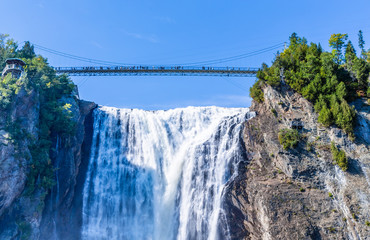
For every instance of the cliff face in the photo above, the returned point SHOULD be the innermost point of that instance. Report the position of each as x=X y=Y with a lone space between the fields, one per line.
x=24 y=216
x=63 y=210
x=15 y=156
x=13 y=170
x=300 y=193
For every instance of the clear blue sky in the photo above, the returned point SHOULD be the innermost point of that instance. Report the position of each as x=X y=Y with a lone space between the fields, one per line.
x=173 y=32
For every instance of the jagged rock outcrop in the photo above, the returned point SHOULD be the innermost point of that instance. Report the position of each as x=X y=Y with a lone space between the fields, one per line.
x=300 y=193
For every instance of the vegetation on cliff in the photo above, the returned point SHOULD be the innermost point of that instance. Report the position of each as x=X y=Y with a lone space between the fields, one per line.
x=288 y=138
x=339 y=157
x=328 y=79
x=55 y=116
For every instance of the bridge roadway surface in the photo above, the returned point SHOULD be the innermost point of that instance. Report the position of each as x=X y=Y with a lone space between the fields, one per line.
x=158 y=71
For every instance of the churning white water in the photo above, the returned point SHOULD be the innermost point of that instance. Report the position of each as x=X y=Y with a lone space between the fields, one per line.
x=160 y=174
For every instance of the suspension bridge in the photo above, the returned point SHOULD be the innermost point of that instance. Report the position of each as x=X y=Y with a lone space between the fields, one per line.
x=157 y=71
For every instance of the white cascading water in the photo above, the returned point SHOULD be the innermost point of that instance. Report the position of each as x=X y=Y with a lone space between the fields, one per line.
x=160 y=174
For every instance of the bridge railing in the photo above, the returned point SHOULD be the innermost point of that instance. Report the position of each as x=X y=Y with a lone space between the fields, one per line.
x=107 y=68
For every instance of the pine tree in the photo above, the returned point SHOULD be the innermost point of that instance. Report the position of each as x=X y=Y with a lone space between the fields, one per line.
x=337 y=42
x=341 y=90
x=361 y=44
x=325 y=117
x=27 y=51
x=350 y=55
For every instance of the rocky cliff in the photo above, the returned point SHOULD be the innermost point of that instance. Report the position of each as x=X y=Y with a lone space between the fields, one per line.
x=39 y=215
x=299 y=193
x=14 y=160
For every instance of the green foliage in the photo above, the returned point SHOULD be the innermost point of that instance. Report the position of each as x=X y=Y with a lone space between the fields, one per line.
x=325 y=116
x=309 y=146
x=367 y=223
x=8 y=49
x=337 y=42
x=288 y=138
x=330 y=195
x=339 y=157
x=256 y=92
x=8 y=88
x=350 y=54
x=55 y=116
x=271 y=75
x=321 y=77
x=361 y=44
x=27 y=51
x=344 y=116
x=273 y=111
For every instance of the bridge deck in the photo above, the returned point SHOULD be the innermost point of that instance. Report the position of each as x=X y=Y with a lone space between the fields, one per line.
x=157 y=71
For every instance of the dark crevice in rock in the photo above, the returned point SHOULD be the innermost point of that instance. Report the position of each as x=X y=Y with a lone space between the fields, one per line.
x=76 y=207
x=63 y=206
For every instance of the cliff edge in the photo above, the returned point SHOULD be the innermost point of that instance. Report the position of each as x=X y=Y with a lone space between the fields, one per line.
x=300 y=193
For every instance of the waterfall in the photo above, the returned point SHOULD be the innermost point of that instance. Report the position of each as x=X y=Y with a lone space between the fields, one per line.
x=160 y=174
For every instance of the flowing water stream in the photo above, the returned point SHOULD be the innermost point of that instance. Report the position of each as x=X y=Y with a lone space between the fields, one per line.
x=160 y=174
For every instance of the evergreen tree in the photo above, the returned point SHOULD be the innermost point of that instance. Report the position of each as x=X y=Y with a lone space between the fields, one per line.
x=337 y=41
x=27 y=51
x=361 y=71
x=341 y=90
x=350 y=55
x=8 y=48
x=361 y=44
x=320 y=103
x=325 y=117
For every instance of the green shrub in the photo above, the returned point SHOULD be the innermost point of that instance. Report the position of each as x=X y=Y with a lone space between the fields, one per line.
x=339 y=157
x=325 y=117
x=273 y=111
x=288 y=138
x=256 y=92
x=9 y=86
x=309 y=146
